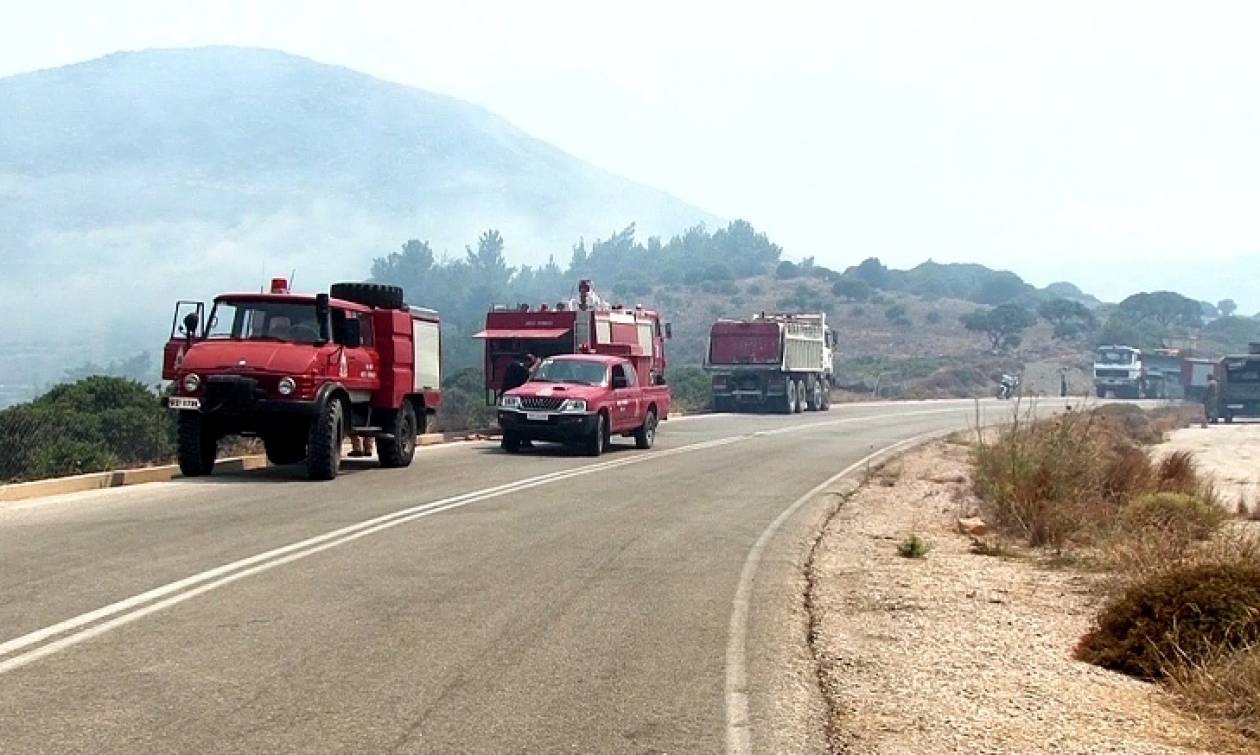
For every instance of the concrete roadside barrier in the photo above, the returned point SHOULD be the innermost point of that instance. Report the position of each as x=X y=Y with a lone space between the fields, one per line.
x=118 y=478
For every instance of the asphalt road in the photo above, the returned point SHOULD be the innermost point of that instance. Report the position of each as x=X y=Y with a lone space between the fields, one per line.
x=475 y=602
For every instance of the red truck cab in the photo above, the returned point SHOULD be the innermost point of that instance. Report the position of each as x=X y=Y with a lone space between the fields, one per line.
x=303 y=372
x=583 y=400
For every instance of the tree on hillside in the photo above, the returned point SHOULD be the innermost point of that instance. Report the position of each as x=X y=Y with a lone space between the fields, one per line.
x=871 y=271
x=1227 y=307
x=1004 y=325
x=1167 y=308
x=787 y=269
x=1069 y=317
x=1001 y=287
x=852 y=289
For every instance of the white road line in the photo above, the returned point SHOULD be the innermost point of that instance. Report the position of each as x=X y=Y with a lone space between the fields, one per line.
x=173 y=593
x=738 y=727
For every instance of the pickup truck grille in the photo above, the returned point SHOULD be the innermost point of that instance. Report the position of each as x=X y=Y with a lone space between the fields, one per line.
x=544 y=403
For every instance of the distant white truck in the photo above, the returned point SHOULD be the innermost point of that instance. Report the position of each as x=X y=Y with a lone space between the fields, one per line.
x=1119 y=371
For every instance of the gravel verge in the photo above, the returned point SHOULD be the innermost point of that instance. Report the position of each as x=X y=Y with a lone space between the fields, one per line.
x=960 y=652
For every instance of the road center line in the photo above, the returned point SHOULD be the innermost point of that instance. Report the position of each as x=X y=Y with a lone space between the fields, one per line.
x=173 y=593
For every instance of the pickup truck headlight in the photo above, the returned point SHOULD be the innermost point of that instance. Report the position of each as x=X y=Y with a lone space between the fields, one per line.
x=191 y=382
x=510 y=402
x=573 y=405
x=287 y=386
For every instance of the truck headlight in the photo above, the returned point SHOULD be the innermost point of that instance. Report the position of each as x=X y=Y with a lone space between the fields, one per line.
x=192 y=381
x=510 y=402
x=573 y=405
x=287 y=386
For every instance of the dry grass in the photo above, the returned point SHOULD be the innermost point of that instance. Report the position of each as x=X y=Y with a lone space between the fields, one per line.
x=1183 y=594
x=1225 y=689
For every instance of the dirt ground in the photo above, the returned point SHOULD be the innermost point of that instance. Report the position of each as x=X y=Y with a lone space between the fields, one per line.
x=960 y=652
x=1230 y=453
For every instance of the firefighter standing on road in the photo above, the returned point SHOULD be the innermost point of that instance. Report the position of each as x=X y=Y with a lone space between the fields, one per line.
x=517 y=374
x=1210 y=397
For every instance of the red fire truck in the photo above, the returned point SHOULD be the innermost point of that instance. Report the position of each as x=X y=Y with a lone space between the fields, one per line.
x=302 y=372
x=585 y=322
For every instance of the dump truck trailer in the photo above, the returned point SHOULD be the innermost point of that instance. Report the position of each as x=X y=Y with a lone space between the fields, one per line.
x=772 y=362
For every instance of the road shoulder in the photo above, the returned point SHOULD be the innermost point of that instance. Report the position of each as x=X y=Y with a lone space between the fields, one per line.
x=962 y=652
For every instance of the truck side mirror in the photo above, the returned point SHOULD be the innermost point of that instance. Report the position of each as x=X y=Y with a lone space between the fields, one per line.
x=323 y=317
x=191 y=323
x=669 y=330
x=351 y=333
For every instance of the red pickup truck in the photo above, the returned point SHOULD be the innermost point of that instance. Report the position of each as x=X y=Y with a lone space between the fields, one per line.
x=583 y=400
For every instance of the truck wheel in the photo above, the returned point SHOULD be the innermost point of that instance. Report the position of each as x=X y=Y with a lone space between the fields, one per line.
x=287 y=448
x=799 y=406
x=323 y=454
x=785 y=405
x=196 y=446
x=511 y=442
x=399 y=450
x=376 y=295
x=1102 y=392
x=597 y=441
x=645 y=436
x=826 y=396
x=1229 y=418
x=814 y=398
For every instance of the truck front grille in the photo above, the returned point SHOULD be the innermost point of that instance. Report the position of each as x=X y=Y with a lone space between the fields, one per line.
x=1112 y=373
x=542 y=403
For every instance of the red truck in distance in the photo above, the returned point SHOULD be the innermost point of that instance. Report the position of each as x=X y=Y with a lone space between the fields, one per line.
x=303 y=372
x=583 y=322
x=779 y=362
x=583 y=400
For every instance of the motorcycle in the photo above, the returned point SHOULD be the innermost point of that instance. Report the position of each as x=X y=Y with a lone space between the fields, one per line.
x=1008 y=387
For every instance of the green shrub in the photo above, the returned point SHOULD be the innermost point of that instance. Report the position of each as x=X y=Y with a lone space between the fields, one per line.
x=913 y=547
x=1175 y=513
x=1186 y=614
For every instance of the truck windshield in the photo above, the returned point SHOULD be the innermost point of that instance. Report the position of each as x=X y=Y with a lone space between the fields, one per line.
x=1115 y=356
x=263 y=321
x=1246 y=372
x=571 y=371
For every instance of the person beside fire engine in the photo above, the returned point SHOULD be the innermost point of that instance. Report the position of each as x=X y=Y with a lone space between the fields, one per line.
x=519 y=372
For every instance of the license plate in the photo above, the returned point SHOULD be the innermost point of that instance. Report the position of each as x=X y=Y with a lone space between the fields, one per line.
x=537 y=416
x=177 y=402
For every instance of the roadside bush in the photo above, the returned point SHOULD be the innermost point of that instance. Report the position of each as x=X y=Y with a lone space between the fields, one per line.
x=1178 y=514
x=90 y=425
x=1044 y=481
x=691 y=388
x=1187 y=614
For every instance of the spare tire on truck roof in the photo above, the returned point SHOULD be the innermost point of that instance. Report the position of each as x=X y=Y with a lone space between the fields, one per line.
x=379 y=295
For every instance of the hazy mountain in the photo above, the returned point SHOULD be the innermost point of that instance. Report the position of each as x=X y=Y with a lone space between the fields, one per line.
x=135 y=179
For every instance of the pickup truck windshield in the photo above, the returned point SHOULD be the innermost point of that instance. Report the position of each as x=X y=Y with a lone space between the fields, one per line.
x=571 y=371
x=1114 y=356
x=263 y=321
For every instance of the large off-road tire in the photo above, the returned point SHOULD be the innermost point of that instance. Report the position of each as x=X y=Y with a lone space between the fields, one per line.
x=826 y=396
x=511 y=442
x=323 y=444
x=196 y=445
x=799 y=405
x=645 y=436
x=595 y=443
x=285 y=448
x=377 y=295
x=399 y=450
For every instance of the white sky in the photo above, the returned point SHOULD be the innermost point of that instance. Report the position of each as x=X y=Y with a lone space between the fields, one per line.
x=1115 y=144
